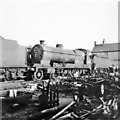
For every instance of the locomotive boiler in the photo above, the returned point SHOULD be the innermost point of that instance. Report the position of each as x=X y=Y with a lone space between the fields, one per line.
x=48 y=59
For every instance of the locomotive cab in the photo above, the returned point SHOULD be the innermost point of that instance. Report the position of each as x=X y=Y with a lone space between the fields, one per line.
x=84 y=55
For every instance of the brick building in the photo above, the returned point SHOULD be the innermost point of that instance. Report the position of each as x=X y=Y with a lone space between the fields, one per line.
x=107 y=54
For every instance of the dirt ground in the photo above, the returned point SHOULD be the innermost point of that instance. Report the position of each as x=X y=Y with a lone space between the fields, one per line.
x=22 y=111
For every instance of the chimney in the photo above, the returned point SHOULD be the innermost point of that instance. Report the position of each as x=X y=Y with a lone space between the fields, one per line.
x=103 y=41
x=95 y=43
x=42 y=42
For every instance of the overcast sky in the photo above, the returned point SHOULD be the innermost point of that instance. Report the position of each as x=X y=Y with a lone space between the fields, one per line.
x=73 y=23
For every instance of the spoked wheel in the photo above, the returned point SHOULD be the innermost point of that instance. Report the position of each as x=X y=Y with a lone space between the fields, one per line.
x=38 y=75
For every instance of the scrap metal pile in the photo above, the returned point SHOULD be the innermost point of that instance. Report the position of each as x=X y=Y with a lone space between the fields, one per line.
x=94 y=97
x=87 y=97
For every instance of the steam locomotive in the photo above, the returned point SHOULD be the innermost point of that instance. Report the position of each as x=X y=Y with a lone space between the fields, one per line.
x=46 y=60
x=41 y=60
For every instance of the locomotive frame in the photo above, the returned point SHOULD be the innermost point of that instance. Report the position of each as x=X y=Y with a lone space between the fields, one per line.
x=48 y=60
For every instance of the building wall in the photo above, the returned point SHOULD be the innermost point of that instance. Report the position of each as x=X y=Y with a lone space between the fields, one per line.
x=113 y=55
x=107 y=59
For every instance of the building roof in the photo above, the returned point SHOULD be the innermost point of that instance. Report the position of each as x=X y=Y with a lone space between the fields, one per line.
x=110 y=47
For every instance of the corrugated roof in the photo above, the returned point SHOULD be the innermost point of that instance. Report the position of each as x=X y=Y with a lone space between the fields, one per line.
x=106 y=47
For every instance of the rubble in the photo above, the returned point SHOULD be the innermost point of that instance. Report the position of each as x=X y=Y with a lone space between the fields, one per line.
x=92 y=97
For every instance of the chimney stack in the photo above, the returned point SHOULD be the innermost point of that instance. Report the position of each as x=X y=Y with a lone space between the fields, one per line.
x=103 y=41
x=42 y=42
x=95 y=43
